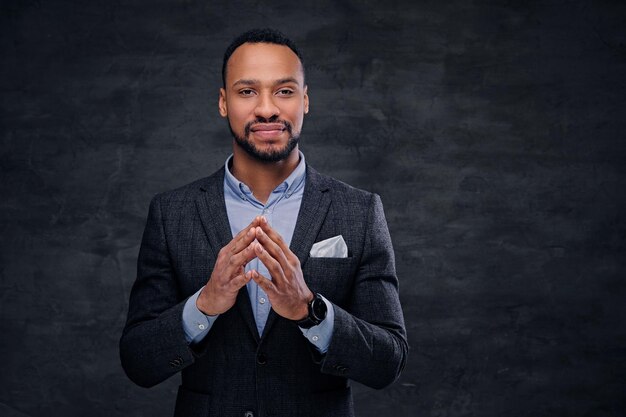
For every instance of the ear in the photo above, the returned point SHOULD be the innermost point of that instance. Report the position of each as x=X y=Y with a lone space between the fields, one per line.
x=306 y=99
x=222 y=103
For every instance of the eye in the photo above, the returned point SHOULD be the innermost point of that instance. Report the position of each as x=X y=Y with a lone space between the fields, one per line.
x=246 y=92
x=284 y=92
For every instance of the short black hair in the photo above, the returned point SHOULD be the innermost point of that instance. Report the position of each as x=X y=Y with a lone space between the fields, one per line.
x=265 y=35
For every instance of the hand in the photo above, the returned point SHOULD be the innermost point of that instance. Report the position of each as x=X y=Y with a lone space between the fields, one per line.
x=220 y=292
x=287 y=290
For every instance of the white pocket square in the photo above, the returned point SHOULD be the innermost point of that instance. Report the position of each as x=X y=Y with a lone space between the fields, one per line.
x=334 y=247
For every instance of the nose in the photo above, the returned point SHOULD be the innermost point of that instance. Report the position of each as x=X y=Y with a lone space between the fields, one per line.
x=266 y=107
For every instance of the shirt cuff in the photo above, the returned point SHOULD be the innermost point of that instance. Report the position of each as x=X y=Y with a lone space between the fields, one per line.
x=321 y=334
x=196 y=324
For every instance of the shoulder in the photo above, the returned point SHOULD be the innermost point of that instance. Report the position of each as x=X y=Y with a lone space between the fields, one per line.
x=188 y=193
x=341 y=191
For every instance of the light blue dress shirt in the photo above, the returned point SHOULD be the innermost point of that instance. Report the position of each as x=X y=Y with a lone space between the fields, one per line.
x=281 y=212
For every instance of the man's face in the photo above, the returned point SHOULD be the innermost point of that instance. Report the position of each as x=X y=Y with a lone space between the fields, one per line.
x=264 y=99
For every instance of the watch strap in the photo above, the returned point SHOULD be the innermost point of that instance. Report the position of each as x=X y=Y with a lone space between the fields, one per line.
x=312 y=319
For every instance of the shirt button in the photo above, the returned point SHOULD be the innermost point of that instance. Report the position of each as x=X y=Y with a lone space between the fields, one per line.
x=248 y=414
x=262 y=300
x=315 y=338
x=202 y=327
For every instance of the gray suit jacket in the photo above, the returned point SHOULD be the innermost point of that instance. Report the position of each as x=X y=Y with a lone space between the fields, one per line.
x=235 y=371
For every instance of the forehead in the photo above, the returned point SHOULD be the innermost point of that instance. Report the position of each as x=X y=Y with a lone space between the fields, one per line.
x=265 y=62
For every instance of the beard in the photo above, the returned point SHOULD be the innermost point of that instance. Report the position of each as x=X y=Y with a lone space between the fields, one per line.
x=273 y=155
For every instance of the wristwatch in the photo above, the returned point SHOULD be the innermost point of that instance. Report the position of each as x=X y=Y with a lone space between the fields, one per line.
x=317 y=313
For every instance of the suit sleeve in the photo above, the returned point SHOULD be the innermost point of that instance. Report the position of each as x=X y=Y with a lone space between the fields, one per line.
x=369 y=343
x=153 y=345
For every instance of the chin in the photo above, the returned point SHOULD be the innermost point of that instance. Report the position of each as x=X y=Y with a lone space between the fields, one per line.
x=267 y=152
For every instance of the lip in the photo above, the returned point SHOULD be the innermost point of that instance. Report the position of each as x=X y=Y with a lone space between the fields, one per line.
x=268 y=127
x=268 y=131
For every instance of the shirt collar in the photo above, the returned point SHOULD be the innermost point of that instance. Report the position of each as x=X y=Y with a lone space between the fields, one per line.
x=291 y=184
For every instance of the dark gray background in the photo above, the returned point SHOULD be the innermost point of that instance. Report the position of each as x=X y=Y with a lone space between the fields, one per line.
x=493 y=130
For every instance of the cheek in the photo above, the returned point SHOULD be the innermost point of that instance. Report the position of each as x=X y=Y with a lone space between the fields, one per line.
x=237 y=115
x=298 y=121
x=296 y=113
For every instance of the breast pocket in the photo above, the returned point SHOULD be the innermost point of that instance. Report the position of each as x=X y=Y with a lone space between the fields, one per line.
x=331 y=277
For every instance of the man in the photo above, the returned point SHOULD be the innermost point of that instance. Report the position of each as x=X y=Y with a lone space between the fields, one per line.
x=267 y=285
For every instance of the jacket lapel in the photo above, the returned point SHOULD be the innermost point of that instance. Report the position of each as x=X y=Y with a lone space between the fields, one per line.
x=313 y=209
x=212 y=211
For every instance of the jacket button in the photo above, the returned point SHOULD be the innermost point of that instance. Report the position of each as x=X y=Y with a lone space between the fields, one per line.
x=248 y=414
x=261 y=359
x=176 y=362
x=340 y=368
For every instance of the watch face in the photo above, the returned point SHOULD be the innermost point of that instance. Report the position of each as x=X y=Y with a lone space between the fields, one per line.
x=319 y=308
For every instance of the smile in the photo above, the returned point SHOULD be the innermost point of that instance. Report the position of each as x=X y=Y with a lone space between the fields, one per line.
x=268 y=127
x=268 y=130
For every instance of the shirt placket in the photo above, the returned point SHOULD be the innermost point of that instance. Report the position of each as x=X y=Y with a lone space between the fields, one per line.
x=262 y=305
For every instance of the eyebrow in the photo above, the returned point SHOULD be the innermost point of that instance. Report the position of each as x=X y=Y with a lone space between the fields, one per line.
x=287 y=80
x=277 y=82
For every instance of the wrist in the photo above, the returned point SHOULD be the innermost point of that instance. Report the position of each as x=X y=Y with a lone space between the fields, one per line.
x=204 y=305
x=303 y=312
x=316 y=312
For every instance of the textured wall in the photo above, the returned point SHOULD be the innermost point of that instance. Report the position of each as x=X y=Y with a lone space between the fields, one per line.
x=494 y=133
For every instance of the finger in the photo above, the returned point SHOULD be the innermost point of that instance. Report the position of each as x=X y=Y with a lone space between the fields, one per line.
x=272 y=265
x=255 y=222
x=274 y=236
x=272 y=247
x=240 y=280
x=239 y=260
x=242 y=239
x=226 y=275
x=265 y=284
x=245 y=255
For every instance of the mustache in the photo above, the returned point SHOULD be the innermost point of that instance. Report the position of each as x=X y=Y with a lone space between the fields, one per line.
x=261 y=120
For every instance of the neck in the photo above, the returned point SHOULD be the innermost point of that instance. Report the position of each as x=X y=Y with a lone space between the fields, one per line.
x=262 y=177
